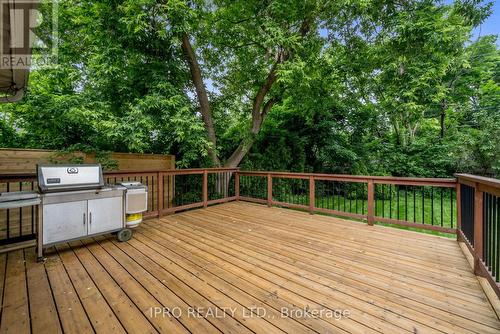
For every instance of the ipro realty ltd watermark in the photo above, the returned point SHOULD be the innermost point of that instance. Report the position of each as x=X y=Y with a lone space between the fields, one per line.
x=28 y=33
x=250 y=312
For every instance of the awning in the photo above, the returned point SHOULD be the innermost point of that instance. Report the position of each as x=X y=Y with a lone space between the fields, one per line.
x=13 y=81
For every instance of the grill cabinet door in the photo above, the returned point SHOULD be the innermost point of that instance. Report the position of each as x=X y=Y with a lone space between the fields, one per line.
x=105 y=214
x=64 y=221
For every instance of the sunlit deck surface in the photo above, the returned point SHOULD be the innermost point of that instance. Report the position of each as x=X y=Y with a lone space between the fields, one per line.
x=238 y=258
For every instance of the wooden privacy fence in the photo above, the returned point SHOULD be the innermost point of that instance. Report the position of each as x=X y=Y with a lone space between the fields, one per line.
x=468 y=205
x=22 y=161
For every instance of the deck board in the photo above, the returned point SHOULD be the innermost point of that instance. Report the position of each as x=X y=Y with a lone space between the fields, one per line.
x=208 y=297
x=100 y=314
x=243 y=265
x=72 y=315
x=317 y=288
x=15 y=309
x=311 y=251
x=113 y=285
x=43 y=312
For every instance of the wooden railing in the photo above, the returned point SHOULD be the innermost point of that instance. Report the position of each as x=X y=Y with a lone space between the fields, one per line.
x=184 y=189
x=479 y=224
x=414 y=202
x=18 y=225
x=468 y=205
x=168 y=192
x=422 y=203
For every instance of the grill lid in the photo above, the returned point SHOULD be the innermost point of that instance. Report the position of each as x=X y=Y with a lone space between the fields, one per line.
x=69 y=177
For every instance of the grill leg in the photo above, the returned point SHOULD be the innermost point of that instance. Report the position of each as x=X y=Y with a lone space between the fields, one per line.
x=39 y=234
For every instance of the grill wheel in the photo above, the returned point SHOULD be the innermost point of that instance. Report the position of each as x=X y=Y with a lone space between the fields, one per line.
x=124 y=235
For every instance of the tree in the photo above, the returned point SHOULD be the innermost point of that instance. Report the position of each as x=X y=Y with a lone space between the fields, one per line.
x=335 y=86
x=412 y=46
x=258 y=37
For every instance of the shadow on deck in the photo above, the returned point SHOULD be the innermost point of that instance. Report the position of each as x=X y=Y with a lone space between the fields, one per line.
x=242 y=268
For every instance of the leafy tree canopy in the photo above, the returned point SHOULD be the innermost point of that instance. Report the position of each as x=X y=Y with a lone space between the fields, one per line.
x=351 y=86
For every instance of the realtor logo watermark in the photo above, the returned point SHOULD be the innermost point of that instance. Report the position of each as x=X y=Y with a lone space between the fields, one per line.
x=28 y=35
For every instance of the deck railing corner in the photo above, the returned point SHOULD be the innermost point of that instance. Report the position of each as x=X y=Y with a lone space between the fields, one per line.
x=479 y=224
x=467 y=205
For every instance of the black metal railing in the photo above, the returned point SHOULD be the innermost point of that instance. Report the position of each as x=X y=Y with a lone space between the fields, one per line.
x=253 y=187
x=187 y=190
x=19 y=224
x=480 y=224
x=342 y=196
x=184 y=189
x=467 y=212
x=221 y=185
x=491 y=234
x=291 y=191
x=426 y=205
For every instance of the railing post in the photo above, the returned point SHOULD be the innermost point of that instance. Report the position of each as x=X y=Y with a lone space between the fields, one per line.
x=205 y=188
x=478 y=229
x=237 y=185
x=269 y=190
x=371 y=202
x=312 y=194
x=159 y=182
x=459 y=209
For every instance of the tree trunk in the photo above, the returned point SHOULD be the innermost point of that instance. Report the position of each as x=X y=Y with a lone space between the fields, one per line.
x=257 y=115
x=259 y=109
x=201 y=93
x=444 y=105
x=257 y=119
x=240 y=152
x=222 y=183
x=395 y=126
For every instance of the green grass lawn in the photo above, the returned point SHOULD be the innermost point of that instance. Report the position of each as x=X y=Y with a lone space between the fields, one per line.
x=409 y=210
x=422 y=204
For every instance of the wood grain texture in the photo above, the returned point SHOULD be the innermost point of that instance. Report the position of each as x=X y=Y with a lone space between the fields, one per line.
x=15 y=311
x=238 y=259
x=14 y=161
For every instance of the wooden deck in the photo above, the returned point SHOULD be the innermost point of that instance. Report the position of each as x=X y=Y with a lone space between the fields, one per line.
x=243 y=268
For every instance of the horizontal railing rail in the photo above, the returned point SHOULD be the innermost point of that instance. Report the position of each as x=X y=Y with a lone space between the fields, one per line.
x=184 y=189
x=168 y=191
x=424 y=203
x=19 y=224
x=479 y=224
x=357 y=178
x=467 y=205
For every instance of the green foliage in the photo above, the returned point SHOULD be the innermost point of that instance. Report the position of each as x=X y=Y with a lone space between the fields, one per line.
x=367 y=87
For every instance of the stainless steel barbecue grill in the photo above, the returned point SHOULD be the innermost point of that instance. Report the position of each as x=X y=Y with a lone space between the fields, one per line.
x=75 y=203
